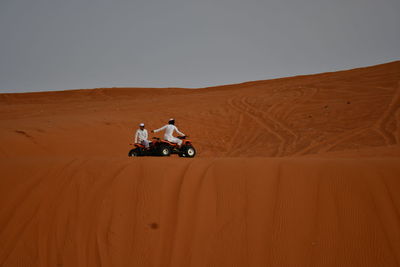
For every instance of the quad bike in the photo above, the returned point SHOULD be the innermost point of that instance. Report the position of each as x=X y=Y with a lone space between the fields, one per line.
x=160 y=147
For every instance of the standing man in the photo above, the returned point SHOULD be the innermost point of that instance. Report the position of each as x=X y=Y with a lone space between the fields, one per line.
x=141 y=136
x=169 y=130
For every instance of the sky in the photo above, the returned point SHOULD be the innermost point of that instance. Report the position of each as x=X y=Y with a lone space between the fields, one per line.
x=76 y=44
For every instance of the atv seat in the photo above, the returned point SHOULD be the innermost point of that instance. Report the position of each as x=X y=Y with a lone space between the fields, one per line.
x=138 y=145
x=168 y=142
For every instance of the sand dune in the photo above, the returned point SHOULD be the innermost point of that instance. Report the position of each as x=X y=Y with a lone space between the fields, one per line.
x=300 y=171
x=354 y=109
x=204 y=212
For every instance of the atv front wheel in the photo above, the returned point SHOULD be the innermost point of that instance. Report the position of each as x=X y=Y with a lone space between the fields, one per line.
x=165 y=151
x=189 y=152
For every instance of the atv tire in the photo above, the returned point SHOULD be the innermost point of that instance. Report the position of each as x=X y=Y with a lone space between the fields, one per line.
x=165 y=151
x=189 y=152
x=133 y=153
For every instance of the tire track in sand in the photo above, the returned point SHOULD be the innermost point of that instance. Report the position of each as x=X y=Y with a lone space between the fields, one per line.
x=262 y=124
x=397 y=118
x=280 y=125
x=302 y=98
x=390 y=114
x=332 y=142
x=235 y=134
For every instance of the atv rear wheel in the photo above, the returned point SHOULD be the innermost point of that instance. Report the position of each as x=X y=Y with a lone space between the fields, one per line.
x=133 y=153
x=165 y=151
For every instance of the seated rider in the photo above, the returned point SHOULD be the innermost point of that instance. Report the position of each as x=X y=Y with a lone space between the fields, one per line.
x=141 y=136
x=169 y=130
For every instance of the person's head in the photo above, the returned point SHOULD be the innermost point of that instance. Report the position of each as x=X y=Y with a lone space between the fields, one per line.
x=171 y=121
x=141 y=126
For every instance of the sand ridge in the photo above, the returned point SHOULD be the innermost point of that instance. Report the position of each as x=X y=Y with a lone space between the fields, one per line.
x=204 y=212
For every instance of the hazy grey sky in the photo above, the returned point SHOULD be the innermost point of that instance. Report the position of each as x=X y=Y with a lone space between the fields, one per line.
x=68 y=44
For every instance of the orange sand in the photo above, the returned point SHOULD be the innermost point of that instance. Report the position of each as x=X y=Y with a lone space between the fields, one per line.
x=301 y=171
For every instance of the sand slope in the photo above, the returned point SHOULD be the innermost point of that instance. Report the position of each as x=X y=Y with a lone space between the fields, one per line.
x=301 y=171
x=354 y=109
x=205 y=212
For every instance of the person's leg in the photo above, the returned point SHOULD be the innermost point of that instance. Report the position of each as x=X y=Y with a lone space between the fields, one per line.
x=175 y=140
x=146 y=143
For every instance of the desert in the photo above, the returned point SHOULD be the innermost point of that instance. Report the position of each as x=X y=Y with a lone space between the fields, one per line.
x=297 y=171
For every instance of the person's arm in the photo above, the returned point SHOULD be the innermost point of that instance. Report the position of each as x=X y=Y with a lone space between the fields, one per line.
x=162 y=128
x=136 y=136
x=146 y=135
x=180 y=133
